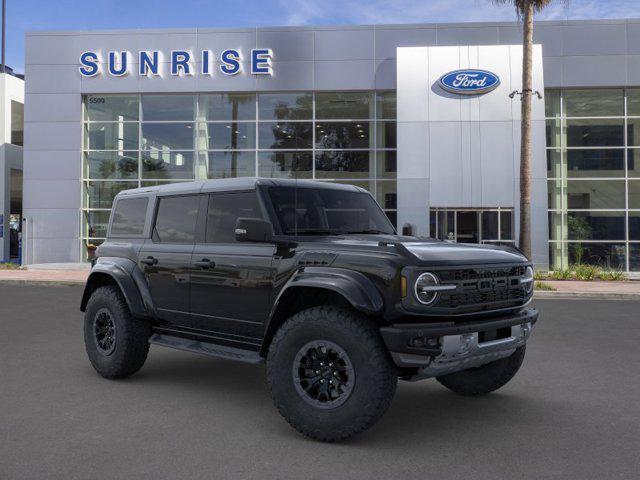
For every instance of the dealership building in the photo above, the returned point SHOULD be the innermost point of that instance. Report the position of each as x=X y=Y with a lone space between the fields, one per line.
x=374 y=106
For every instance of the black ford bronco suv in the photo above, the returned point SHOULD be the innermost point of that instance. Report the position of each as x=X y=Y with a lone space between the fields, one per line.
x=311 y=279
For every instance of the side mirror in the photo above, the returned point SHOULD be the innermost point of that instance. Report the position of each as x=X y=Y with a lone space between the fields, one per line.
x=253 y=230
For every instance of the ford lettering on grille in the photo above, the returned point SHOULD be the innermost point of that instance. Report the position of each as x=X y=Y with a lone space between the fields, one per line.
x=469 y=82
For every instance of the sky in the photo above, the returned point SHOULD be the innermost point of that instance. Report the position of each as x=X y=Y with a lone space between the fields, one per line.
x=26 y=15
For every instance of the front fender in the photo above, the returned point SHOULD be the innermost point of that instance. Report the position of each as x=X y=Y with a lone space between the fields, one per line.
x=129 y=278
x=355 y=287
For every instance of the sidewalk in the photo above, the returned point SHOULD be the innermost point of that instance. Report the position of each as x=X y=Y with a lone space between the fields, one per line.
x=629 y=290
x=41 y=276
x=77 y=274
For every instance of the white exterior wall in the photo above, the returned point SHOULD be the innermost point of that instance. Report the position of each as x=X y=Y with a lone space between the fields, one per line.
x=464 y=151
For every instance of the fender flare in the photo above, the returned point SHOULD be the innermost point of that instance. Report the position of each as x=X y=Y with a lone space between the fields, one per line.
x=129 y=279
x=355 y=287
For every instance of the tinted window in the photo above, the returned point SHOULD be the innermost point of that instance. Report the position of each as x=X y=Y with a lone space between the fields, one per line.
x=224 y=211
x=176 y=220
x=129 y=216
x=313 y=211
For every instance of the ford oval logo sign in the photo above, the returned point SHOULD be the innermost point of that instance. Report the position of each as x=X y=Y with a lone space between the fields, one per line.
x=469 y=82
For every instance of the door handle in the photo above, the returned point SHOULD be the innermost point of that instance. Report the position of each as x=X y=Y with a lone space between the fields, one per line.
x=149 y=261
x=205 y=263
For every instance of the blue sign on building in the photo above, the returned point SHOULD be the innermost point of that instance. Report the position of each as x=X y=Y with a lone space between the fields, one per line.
x=469 y=81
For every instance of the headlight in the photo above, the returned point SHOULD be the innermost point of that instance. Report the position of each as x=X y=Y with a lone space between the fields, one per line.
x=527 y=280
x=426 y=288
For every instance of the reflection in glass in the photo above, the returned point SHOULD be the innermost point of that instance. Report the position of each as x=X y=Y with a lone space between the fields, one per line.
x=387 y=164
x=595 y=194
x=633 y=102
x=599 y=102
x=554 y=164
x=90 y=247
x=227 y=136
x=554 y=133
x=633 y=162
x=555 y=199
x=595 y=163
x=167 y=136
x=289 y=135
x=634 y=194
x=332 y=135
x=110 y=165
x=387 y=194
x=100 y=194
x=610 y=256
x=634 y=225
x=506 y=225
x=285 y=164
x=161 y=164
x=386 y=136
x=489 y=225
x=386 y=105
x=347 y=105
x=227 y=106
x=634 y=257
x=557 y=231
x=633 y=132
x=111 y=136
x=552 y=102
x=168 y=107
x=285 y=106
x=228 y=164
x=95 y=223
x=595 y=133
x=111 y=108
x=344 y=164
x=596 y=225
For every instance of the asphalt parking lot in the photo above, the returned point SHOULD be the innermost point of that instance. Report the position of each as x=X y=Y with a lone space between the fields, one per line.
x=573 y=411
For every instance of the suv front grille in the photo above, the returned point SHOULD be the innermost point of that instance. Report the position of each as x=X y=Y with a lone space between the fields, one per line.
x=480 y=289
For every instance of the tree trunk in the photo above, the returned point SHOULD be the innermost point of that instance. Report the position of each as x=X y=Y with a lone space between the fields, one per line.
x=525 y=147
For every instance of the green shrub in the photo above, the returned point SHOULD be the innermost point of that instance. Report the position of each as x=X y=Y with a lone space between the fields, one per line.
x=545 y=287
x=537 y=275
x=9 y=266
x=587 y=272
x=612 y=275
x=562 y=274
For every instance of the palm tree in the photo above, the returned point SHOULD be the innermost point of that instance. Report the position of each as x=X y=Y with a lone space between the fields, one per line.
x=525 y=10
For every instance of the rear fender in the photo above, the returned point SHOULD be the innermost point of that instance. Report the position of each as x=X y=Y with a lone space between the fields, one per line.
x=129 y=279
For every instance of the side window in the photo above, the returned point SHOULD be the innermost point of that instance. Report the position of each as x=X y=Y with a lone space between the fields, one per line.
x=128 y=216
x=224 y=211
x=176 y=219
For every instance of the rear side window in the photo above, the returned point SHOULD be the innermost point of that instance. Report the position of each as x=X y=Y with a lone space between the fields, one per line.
x=224 y=211
x=129 y=216
x=176 y=219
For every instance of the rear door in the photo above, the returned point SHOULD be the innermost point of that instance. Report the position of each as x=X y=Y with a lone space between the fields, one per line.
x=165 y=258
x=231 y=281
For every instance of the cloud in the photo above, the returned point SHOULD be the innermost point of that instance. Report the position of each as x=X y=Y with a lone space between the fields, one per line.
x=304 y=12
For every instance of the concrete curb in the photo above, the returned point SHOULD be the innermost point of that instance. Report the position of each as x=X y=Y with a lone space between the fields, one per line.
x=42 y=283
x=546 y=295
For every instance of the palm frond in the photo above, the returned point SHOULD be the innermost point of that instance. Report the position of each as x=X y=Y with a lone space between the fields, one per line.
x=519 y=5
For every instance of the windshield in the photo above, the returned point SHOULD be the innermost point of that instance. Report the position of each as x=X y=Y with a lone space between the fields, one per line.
x=319 y=211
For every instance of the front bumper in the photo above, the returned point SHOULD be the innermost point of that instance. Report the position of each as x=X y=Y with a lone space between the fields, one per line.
x=434 y=349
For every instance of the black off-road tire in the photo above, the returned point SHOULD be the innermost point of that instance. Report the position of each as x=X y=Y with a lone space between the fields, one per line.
x=484 y=379
x=131 y=344
x=374 y=375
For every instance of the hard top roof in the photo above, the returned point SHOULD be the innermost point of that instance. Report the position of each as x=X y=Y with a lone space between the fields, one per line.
x=232 y=184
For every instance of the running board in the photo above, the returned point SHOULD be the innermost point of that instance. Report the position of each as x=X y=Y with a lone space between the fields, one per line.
x=205 y=348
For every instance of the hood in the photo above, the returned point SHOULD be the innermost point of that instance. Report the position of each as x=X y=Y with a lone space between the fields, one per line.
x=445 y=253
x=432 y=252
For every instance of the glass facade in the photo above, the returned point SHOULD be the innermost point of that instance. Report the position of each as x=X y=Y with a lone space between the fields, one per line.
x=139 y=140
x=467 y=225
x=593 y=184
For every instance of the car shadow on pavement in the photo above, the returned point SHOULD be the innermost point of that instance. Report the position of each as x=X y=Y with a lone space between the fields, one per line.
x=421 y=412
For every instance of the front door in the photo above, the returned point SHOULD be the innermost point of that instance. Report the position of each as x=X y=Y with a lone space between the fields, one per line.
x=231 y=282
x=166 y=258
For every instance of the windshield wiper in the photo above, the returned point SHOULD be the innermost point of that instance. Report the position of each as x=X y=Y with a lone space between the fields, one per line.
x=369 y=232
x=314 y=231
